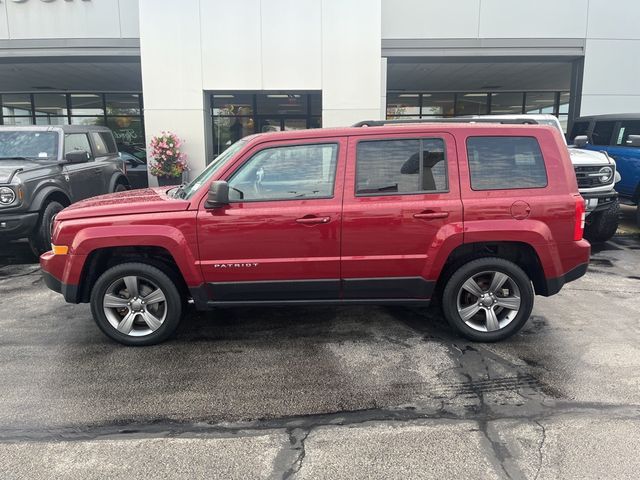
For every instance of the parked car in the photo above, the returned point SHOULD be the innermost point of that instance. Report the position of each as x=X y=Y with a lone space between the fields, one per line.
x=479 y=216
x=136 y=163
x=44 y=169
x=619 y=136
x=596 y=174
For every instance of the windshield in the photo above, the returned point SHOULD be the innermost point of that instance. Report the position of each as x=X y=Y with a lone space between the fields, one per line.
x=192 y=187
x=29 y=144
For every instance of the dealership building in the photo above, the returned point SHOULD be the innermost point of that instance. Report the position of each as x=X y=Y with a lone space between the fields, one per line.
x=213 y=71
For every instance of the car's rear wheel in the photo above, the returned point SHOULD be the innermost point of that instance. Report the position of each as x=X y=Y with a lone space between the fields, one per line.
x=40 y=239
x=488 y=299
x=136 y=304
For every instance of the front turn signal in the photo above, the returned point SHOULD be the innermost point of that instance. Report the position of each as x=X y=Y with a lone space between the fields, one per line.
x=59 y=249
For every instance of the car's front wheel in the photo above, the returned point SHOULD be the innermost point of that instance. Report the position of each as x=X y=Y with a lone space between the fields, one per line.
x=40 y=239
x=136 y=304
x=488 y=299
x=602 y=225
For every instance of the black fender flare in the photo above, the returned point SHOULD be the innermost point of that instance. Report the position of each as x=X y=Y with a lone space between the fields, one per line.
x=118 y=178
x=44 y=193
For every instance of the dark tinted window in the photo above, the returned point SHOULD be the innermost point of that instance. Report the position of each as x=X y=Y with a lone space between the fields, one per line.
x=602 y=132
x=502 y=163
x=401 y=166
x=285 y=173
x=579 y=128
x=628 y=127
x=104 y=143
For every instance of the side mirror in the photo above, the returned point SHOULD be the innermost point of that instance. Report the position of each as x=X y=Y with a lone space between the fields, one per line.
x=633 y=141
x=218 y=195
x=77 y=156
x=580 y=141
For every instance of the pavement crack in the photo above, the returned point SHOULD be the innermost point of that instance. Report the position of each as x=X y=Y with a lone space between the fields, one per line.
x=297 y=437
x=543 y=438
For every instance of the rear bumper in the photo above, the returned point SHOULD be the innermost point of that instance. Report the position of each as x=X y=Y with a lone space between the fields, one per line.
x=554 y=285
x=17 y=225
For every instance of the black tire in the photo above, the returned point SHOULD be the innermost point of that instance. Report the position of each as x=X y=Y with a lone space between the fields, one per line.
x=475 y=267
x=146 y=273
x=40 y=239
x=120 y=187
x=602 y=225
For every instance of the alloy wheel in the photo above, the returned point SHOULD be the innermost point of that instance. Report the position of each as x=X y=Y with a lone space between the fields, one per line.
x=488 y=301
x=135 y=306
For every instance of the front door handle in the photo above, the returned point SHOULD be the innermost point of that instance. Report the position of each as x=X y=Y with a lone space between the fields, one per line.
x=430 y=215
x=312 y=220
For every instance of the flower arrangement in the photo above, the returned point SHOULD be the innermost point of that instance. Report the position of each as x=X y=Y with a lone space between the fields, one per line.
x=169 y=161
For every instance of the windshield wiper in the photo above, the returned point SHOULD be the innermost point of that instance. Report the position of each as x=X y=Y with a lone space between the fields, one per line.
x=179 y=190
x=16 y=158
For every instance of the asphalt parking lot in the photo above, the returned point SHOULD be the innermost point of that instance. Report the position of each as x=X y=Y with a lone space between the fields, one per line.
x=324 y=392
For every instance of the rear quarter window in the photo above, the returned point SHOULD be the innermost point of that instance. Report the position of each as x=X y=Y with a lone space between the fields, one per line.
x=505 y=163
x=104 y=143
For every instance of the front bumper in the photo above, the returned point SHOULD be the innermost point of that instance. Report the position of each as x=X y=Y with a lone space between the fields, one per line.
x=17 y=225
x=53 y=266
x=595 y=202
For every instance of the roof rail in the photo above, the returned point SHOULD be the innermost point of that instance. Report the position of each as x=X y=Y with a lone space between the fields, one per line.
x=511 y=121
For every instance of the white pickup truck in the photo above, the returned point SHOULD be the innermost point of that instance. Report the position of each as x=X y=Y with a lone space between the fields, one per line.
x=596 y=174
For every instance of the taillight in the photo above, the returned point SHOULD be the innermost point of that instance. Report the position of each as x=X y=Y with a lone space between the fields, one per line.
x=578 y=229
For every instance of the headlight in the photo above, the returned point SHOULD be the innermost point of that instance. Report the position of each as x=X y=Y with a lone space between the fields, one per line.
x=7 y=196
x=605 y=174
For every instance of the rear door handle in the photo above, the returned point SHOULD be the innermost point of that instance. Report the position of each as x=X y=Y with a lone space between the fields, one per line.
x=431 y=215
x=312 y=220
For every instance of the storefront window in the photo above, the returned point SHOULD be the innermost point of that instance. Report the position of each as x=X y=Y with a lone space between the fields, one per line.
x=86 y=104
x=122 y=112
x=471 y=104
x=440 y=104
x=408 y=105
x=506 y=103
x=123 y=103
x=540 y=102
x=127 y=130
x=401 y=104
x=236 y=115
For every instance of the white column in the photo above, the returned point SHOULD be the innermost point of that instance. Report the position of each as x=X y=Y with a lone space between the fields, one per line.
x=170 y=53
x=351 y=61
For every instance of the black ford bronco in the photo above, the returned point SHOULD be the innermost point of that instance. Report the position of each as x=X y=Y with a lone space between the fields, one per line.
x=46 y=168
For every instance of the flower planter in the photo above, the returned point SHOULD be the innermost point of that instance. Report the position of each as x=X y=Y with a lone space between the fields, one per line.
x=168 y=181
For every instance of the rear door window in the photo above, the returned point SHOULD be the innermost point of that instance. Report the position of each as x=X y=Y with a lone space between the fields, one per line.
x=627 y=127
x=401 y=166
x=504 y=163
x=602 y=132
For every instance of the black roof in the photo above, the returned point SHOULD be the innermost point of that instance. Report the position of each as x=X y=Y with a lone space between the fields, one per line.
x=610 y=116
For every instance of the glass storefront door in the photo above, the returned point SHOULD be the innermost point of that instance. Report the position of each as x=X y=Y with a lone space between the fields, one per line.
x=238 y=114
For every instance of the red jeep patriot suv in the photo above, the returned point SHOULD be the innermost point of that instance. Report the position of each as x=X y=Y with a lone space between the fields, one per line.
x=480 y=216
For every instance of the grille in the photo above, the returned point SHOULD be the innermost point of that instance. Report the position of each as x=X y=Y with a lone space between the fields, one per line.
x=585 y=180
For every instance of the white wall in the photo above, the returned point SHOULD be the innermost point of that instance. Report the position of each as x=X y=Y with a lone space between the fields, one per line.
x=484 y=19
x=611 y=30
x=328 y=45
x=38 y=19
x=612 y=58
